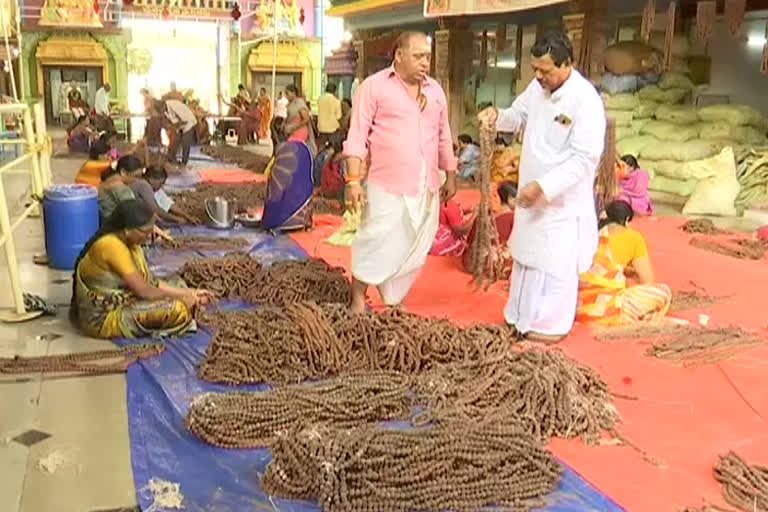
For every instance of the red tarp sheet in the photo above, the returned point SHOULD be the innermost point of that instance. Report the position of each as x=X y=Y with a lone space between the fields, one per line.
x=682 y=417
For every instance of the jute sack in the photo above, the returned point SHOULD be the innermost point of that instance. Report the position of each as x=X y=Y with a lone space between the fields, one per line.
x=682 y=151
x=622 y=117
x=735 y=115
x=669 y=132
x=669 y=96
x=682 y=188
x=677 y=114
x=716 y=195
x=645 y=109
x=630 y=58
x=742 y=134
x=672 y=80
x=634 y=145
x=621 y=102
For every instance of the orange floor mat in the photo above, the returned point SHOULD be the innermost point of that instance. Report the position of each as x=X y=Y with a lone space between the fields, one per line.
x=230 y=176
x=683 y=418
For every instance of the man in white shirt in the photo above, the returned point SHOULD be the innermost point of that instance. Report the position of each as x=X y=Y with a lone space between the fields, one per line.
x=281 y=106
x=185 y=121
x=555 y=233
x=101 y=106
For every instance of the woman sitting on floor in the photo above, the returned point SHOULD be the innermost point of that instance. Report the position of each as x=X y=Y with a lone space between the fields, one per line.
x=634 y=186
x=451 y=237
x=80 y=136
x=96 y=166
x=469 y=157
x=115 y=186
x=332 y=175
x=114 y=293
x=505 y=221
x=604 y=296
x=288 y=205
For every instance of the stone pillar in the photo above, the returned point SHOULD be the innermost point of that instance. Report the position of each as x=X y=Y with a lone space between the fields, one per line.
x=443 y=60
x=529 y=33
x=117 y=47
x=361 y=64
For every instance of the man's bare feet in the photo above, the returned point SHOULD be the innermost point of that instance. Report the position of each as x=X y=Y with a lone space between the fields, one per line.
x=357 y=306
x=358 y=296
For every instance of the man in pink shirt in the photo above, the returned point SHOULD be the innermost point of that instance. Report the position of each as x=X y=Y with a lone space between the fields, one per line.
x=400 y=123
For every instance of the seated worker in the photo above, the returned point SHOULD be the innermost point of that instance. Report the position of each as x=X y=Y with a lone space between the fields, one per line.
x=469 y=157
x=156 y=176
x=97 y=164
x=505 y=221
x=80 y=135
x=634 y=186
x=604 y=297
x=332 y=175
x=451 y=237
x=288 y=205
x=114 y=293
x=115 y=185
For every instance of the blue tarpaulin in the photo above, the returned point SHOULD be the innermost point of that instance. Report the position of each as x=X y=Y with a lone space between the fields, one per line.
x=262 y=246
x=160 y=390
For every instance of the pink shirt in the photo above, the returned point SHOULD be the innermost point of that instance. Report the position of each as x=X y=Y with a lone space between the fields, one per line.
x=387 y=122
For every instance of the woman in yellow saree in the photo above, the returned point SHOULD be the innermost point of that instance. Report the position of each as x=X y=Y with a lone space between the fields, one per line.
x=114 y=293
x=604 y=297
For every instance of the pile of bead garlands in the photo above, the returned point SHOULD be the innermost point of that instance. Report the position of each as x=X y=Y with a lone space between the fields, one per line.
x=245 y=196
x=238 y=276
x=479 y=408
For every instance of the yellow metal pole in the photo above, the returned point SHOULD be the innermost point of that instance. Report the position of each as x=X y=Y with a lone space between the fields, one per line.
x=29 y=135
x=43 y=142
x=10 y=253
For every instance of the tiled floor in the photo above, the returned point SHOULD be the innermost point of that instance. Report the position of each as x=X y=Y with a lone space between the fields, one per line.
x=87 y=453
x=86 y=418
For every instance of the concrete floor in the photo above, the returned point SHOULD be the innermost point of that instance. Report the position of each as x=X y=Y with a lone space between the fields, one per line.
x=85 y=419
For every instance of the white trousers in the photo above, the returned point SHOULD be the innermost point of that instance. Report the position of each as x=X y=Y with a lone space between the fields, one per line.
x=393 y=242
x=540 y=302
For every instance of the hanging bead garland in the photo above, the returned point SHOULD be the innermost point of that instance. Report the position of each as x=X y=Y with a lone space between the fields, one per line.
x=649 y=18
x=669 y=36
x=734 y=15
x=764 y=66
x=705 y=21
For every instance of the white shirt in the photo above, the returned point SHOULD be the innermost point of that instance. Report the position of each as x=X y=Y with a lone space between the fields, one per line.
x=178 y=112
x=562 y=147
x=281 y=107
x=101 y=103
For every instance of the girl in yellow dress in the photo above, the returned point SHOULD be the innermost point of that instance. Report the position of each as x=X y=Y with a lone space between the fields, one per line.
x=604 y=295
x=114 y=293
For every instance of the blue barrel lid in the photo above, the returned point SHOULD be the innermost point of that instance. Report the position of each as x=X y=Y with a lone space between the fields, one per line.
x=70 y=192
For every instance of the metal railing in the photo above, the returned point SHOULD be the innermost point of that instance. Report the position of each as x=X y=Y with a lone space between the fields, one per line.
x=36 y=160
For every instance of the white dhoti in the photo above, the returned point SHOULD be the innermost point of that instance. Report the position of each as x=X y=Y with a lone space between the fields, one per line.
x=394 y=240
x=540 y=302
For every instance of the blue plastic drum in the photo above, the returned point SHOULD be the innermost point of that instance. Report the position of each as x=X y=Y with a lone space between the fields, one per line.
x=71 y=214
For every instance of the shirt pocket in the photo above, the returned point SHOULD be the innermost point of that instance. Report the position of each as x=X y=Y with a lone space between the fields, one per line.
x=557 y=134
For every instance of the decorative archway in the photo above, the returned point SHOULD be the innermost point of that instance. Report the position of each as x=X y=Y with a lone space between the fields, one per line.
x=291 y=58
x=71 y=51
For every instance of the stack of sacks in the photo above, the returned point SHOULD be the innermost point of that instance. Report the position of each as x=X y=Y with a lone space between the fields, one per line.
x=653 y=101
x=735 y=123
x=629 y=67
x=681 y=50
